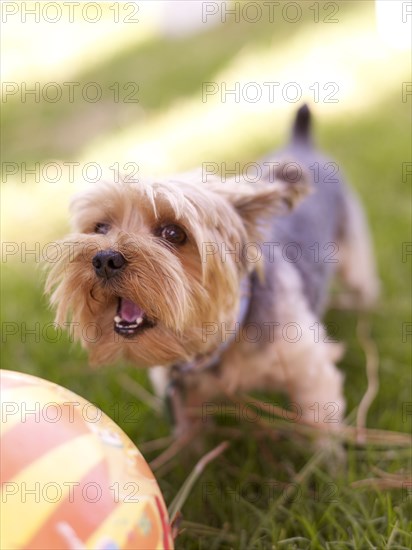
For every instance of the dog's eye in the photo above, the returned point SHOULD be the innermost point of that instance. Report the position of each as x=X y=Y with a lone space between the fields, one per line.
x=173 y=234
x=101 y=228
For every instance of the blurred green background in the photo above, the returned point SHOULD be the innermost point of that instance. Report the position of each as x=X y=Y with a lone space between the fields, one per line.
x=154 y=116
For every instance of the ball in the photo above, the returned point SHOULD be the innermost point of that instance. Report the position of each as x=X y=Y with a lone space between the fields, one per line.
x=70 y=477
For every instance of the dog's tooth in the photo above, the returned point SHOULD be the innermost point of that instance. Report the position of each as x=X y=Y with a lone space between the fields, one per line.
x=139 y=320
x=117 y=319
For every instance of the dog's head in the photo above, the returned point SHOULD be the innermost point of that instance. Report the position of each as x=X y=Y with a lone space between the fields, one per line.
x=149 y=264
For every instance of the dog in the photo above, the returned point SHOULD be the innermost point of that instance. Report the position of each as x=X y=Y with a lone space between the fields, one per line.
x=221 y=287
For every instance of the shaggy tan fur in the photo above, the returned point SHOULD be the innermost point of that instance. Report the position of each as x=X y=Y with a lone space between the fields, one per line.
x=180 y=288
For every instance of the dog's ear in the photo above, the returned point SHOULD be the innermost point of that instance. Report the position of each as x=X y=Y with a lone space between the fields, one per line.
x=276 y=193
x=293 y=179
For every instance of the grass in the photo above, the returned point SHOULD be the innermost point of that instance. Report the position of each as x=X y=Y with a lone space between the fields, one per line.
x=252 y=496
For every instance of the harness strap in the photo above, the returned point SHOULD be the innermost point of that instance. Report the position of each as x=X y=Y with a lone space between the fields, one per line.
x=205 y=362
x=176 y=387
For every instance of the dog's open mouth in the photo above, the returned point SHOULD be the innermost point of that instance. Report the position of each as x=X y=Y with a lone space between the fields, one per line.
x=130 y=318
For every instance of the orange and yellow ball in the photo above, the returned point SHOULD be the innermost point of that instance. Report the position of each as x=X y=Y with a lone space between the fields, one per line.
x=70 y=477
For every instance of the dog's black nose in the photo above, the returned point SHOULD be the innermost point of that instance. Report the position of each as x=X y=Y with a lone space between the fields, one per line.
x=108 y=263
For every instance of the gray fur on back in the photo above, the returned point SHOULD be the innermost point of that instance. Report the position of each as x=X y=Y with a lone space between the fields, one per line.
x=313 y=227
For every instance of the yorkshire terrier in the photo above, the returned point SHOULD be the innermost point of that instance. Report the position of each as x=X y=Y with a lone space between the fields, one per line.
x=221 y=285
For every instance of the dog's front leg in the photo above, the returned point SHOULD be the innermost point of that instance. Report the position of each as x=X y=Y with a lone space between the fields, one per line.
x=187 y=397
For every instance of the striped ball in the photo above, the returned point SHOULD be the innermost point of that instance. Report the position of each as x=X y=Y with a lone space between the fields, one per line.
x=70 y=477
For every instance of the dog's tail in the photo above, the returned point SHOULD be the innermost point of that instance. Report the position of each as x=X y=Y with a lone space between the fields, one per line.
x=301 y=131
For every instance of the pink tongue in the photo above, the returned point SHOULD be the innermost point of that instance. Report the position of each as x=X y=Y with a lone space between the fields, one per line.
x=129 y=311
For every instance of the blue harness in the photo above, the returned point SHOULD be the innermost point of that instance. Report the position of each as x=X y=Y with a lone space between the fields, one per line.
x=176 y=387
x=206 y=362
